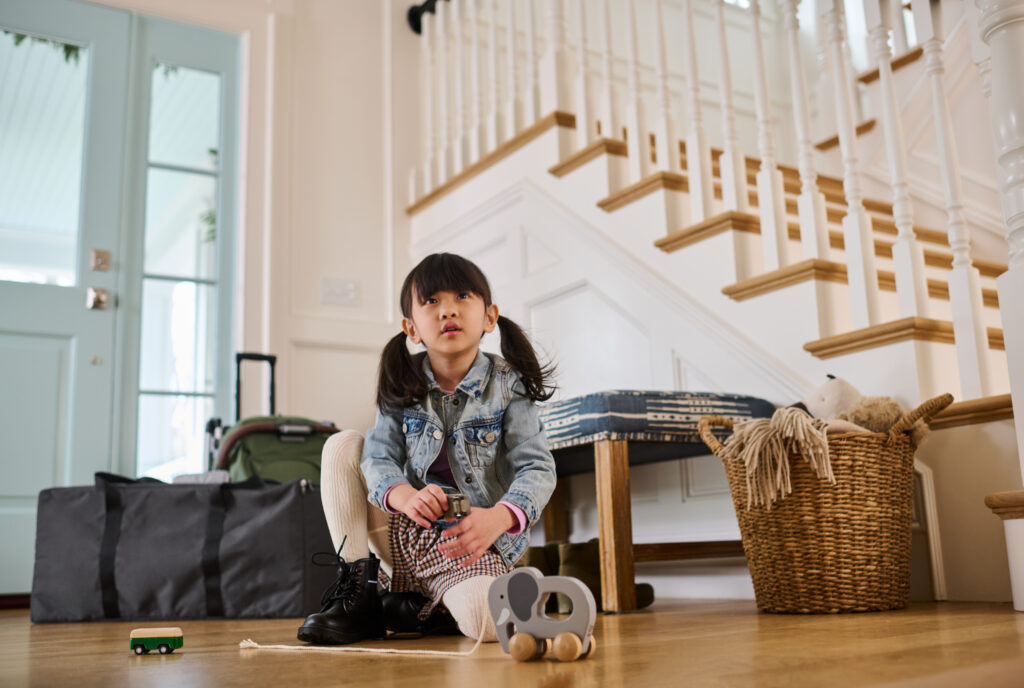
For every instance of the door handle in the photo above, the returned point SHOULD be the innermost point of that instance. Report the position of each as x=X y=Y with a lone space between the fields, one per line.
x=96 y=299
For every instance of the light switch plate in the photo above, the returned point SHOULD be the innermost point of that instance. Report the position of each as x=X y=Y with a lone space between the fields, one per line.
x=340 y=292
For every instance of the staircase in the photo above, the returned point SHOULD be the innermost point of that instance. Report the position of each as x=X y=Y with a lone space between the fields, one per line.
x=780 y=312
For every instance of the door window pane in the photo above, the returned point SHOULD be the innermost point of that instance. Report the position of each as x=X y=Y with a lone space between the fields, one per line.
x=170 y=440
x=178 y=324
x=42 y=127
x=184 y=117
x=181 y=225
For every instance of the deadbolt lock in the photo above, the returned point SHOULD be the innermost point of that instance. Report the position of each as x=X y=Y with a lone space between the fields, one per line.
x=99 y=260
x=96 y=299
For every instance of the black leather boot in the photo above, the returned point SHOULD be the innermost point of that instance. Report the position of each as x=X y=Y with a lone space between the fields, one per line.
x=401 y=616
x=351 y=607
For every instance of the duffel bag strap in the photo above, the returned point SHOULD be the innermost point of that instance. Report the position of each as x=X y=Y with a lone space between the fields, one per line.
x=108 y=546
x=211 y=545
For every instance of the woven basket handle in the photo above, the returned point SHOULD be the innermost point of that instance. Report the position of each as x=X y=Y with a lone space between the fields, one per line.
x=925 y=411
x=704 y=429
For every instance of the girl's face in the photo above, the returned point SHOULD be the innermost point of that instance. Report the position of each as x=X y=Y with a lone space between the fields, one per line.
x=450 y=323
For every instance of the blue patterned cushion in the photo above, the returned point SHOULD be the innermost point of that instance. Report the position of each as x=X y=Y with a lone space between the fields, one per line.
x=669 y=418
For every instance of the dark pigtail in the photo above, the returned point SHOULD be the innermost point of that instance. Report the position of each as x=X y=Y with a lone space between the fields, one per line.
x=400 y=378
x=518 y=351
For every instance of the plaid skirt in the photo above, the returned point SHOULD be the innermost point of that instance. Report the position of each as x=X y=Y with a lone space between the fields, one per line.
x=419 y=566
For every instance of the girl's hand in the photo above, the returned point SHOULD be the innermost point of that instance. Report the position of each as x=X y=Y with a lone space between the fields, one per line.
x=475 y=533
x=422 y=506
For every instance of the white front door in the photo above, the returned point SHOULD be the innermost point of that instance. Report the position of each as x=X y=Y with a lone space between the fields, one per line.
x=63 y=80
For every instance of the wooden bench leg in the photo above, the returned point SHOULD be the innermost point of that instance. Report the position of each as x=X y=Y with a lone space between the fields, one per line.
x=556 y=513
x=615 y=525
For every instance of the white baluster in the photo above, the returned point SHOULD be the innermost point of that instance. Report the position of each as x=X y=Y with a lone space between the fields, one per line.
x=555 y=92
x=637 y=137
x=412 y=186
x=732 y=166
x=461 y=142
x=851 y=73
x=531 y=94
x=899 y=26
x=907 y=253
x=513 y=103
x=610 y=122
x=666 y=137
x=811 y=204
x=427 y=89
x=495 y=116
x=477 y=139
x=586 y=124
x=964 y=280
x=698 y=152
x=444 y=158
x=1002 y=28
x=857 y=234
x=771 y=198
x=823 y=90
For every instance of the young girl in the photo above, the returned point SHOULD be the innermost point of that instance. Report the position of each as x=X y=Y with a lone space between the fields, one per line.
x=451 y=420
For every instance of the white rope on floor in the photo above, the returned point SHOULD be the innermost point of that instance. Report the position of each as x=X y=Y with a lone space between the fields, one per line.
x=250 y=644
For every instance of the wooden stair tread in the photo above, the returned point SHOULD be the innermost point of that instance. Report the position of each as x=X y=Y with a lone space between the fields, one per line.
x=832 y=271
x=922 y=329
x=862 y=128
x=974 y=411
x=903 y=60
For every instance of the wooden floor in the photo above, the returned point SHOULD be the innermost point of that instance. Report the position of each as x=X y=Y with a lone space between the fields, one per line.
x=674 y=643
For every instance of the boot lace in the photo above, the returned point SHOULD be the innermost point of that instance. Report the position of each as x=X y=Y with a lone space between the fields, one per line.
x=345 y=584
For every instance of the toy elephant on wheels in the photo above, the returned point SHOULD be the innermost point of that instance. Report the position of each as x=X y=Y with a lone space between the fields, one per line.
x=517 y=602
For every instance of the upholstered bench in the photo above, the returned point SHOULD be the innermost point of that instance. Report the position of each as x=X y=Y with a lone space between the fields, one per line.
x=606 y=432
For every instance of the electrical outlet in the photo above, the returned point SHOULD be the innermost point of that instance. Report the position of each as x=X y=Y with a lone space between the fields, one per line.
x=339 y=292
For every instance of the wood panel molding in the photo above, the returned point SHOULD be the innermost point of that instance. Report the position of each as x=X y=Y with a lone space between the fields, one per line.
x=903 y=60
x=555 y=119
x=974 y=411
x=921 y=329
x=862 y=128
x=724 y=222
x=678 y=551
x=581 y=157
x=659 y=180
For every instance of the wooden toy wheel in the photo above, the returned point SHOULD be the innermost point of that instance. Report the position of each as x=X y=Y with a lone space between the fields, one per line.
x=523 y=647
x=590 y=650
x=139 y=649
x=568 y=647
x=164 y=649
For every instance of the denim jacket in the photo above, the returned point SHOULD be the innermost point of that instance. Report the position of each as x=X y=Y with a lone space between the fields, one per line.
x=496 y=445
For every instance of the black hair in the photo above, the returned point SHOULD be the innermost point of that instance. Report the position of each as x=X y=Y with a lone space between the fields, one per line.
x=401 y=381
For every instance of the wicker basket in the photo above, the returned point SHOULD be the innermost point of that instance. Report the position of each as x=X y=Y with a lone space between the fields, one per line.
x=833 y=548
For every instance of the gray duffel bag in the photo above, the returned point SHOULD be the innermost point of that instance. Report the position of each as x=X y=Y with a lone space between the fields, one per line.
x=145 y=550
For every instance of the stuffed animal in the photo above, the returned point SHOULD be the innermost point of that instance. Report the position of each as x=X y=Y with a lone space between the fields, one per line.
x=845 y=410
x=878 y=414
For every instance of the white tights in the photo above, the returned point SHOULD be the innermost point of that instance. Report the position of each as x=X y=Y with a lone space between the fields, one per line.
x=364 y=528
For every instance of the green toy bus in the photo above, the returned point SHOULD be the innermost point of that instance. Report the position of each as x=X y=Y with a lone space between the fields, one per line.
x=165 y=640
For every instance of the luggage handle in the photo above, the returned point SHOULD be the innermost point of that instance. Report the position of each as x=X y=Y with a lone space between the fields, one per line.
x=288 y=432
x=251 y=356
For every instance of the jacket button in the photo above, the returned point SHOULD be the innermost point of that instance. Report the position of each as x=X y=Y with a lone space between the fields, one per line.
x=489 y=437
x=437 y=435
x=469 y=478
x=455 y=402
